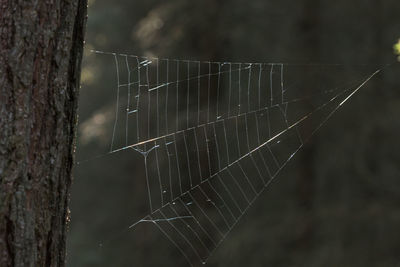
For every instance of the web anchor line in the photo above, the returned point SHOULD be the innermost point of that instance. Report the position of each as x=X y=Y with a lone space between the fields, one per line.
x=220 y=119
x=226 y=116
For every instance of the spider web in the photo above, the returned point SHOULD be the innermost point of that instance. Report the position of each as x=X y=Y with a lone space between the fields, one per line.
x=214 y=135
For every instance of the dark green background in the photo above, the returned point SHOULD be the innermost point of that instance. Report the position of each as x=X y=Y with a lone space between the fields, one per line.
x=336 y=204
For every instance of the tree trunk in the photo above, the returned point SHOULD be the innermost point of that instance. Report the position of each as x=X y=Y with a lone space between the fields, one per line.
x=41 y=45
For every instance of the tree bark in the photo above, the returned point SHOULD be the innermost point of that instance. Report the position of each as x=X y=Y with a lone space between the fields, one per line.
x=41 y=45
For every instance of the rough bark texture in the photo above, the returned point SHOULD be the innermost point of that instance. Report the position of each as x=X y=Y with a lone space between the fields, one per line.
x=41 y=44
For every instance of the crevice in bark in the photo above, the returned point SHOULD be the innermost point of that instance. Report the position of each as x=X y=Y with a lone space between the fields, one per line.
x=9 y=229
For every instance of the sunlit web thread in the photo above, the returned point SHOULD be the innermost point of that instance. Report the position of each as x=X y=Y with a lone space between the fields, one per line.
x=210 y=196
x=220 y=119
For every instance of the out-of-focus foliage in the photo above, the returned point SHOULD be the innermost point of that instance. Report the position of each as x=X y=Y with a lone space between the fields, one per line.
x=396 y=48
x=336 y=204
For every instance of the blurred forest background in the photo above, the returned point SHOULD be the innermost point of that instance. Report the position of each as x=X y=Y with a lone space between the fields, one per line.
x=336 y=204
